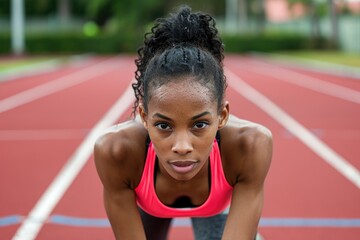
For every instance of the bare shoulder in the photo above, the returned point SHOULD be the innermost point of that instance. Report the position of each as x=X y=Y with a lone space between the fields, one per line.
x=247 y=149
x=244 y=130
x=243 y=133
x=121 y=138
x=119 y=153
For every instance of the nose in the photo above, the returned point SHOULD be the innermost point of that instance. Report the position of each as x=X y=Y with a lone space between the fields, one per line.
x=182 y=144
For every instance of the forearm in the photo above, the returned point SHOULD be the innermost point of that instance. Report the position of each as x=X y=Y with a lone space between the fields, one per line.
x=243 y=218
x=124 y=219
x=244 y=228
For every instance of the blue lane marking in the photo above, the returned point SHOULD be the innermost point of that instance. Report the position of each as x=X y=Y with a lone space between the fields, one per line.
x=310 y=222
x=79 y=222
x=10 y=220
x=264 y=222
x=293 y=222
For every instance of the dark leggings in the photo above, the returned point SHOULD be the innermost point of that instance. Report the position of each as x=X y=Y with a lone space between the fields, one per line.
x=209 y=228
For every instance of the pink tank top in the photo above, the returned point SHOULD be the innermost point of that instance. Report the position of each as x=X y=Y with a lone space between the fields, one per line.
x=218 y=199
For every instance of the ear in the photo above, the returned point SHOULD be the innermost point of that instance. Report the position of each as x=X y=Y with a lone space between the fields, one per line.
x=143 y=115
x=224 y=115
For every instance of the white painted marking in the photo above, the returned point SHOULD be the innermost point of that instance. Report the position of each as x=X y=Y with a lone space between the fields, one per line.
x=309 y=139
x=33 y=223
x=306 y=81
x=58 y=84
x=328 y=68
x=42 y=134
x=42 y=67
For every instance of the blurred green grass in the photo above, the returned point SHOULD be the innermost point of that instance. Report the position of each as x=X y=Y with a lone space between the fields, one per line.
x=342 y=58
x=15 y=63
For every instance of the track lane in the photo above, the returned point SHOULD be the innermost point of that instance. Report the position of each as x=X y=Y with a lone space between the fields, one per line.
x=22 y=83
x=38 y=162
x=83 y=200
x=340 y=77
x=58 y=84
x=301 y=184
x=293 y=188
x=334 y=120
x=309 y=81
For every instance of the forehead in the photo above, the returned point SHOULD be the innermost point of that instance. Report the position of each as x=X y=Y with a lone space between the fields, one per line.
x=182 y=96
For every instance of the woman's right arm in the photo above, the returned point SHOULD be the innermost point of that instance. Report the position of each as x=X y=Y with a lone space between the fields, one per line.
x=115 y=168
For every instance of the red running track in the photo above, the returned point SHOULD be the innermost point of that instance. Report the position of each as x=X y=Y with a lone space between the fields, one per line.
x=40 y=135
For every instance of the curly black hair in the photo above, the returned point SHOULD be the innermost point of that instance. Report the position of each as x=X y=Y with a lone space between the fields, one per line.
x=183 y=44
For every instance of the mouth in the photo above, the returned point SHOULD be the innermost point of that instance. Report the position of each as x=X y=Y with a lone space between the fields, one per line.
x=182 y=166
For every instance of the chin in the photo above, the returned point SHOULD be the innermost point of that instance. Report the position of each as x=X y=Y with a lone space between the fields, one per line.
x=183 y=177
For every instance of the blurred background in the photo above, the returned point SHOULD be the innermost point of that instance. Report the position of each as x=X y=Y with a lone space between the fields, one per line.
x=108 y=27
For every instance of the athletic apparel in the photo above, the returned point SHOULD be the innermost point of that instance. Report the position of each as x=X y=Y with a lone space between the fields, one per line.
x=208 y=228
x=155 y=228
x=217 y=201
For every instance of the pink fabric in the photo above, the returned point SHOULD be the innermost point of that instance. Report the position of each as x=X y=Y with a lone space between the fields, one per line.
x=218 y=199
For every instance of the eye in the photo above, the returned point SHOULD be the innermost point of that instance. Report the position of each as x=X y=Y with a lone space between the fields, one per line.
x=163 y=126
x=201 y=125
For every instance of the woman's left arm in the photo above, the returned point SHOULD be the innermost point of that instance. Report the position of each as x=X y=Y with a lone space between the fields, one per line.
x=248 y=193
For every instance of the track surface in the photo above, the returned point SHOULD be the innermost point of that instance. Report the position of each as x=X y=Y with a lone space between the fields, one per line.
x=44 y=119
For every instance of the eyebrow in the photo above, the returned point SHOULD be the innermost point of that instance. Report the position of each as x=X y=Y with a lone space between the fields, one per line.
x=161 y=116
x=200 y=115
x=169 y=119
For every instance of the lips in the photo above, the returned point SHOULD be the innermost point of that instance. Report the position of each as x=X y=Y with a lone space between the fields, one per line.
x=182 y=166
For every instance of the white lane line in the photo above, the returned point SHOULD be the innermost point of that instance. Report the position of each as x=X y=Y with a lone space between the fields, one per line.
x=313 y=65
x=42 y=134
x=42 y=67
x=305 y=81
x=33 y=223
x=58 y=84
x=308 y=138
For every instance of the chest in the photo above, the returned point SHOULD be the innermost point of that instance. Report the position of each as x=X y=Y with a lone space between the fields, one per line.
x=183 y=194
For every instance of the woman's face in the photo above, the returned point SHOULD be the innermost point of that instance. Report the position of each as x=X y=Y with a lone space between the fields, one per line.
x=182 y=121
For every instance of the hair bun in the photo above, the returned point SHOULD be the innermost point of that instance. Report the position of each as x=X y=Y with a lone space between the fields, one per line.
x=185 y=28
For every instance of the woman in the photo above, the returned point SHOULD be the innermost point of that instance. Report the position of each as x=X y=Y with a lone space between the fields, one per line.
x=184 y=155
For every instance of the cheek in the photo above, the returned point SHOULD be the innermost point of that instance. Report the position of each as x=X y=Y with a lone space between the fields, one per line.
x=161 y=145
x=154 y=134
x=162 y=151
x=204 y=145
